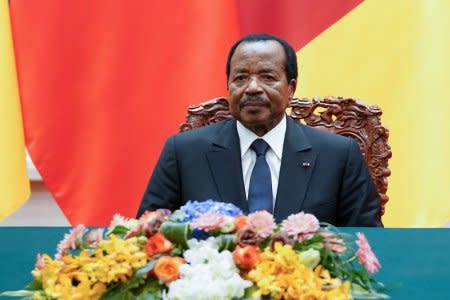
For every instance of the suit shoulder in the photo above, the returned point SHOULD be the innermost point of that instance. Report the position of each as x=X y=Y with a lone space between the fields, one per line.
x=201 y=134
x=327 y=139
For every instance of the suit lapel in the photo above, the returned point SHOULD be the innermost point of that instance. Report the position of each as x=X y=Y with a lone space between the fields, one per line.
x=224 y=160
x=295 y=173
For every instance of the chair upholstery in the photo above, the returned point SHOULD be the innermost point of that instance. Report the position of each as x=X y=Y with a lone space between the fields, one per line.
x=348 y=117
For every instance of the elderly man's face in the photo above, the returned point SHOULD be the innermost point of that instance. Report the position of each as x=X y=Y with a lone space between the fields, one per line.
x=258 y=90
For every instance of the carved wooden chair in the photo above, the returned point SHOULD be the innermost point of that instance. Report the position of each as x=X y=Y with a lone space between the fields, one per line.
x=348 y=117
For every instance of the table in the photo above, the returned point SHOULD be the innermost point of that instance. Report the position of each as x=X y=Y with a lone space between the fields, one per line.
x=416 y=259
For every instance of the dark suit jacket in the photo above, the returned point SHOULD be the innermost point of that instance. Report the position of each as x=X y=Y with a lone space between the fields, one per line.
x=205 y=163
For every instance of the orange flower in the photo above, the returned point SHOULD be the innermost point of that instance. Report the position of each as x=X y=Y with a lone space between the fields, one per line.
x=246 y=257
x=239 y=222
x=167 y=268
x=158 y=244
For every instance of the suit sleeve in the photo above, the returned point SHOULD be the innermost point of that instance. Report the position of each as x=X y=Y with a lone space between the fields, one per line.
x=359 y=202
x=163 y=189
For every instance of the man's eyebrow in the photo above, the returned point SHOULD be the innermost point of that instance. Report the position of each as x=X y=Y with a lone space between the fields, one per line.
x=267 y=70
x=240 y=70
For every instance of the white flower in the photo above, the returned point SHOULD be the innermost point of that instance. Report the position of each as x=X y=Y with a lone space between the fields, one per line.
x=310 y=258
x=229 y=225
x=122 y=221
x=195 y=244
x=207 y=274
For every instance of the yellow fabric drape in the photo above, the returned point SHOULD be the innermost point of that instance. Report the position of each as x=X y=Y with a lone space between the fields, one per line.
x=395 y=54
x=14 y=184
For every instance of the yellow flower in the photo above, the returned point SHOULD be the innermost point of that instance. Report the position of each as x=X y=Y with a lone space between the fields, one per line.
x=282 y=275
x=87 y=275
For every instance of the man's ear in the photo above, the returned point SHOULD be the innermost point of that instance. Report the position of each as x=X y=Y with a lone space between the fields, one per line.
x=292 y=88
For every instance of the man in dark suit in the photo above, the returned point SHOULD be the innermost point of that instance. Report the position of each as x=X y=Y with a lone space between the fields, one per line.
x=300 y=168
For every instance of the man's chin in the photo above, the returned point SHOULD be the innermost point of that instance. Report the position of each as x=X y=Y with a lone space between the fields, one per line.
x=250 y=121
x=257 y=124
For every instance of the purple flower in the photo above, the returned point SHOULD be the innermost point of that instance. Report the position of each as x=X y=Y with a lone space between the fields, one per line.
x=193 y=209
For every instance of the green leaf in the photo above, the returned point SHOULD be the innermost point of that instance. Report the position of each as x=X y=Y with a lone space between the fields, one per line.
x=265 y=243
x=252 y=293
x=177 y=233
x=226 y=242
x=20 y=293
x=177 y=251
x=145 y=269
x=119 y=292
x=177 y=217
x=119 y=230
x=135 y=288
x=35 y=285
x=151 y=290
x=148 y=296
x=277 y=228
x=315 y=242
x=134 y=282
x=359 y=292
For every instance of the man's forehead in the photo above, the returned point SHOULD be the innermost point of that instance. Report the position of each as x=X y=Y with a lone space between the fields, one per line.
x=261 y=52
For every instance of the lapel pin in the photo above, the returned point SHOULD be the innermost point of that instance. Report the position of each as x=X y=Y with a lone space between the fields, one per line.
x=306 y=164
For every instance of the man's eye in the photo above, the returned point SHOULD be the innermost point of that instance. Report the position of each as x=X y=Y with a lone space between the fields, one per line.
x=269 y=78
x=240 y=78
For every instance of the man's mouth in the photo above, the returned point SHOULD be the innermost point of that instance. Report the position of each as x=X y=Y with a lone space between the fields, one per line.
x=255 y=102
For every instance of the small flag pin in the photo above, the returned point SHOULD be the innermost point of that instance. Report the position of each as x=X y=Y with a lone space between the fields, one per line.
x=306 y=164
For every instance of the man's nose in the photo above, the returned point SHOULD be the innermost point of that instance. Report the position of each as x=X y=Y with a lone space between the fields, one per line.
x=253 y=87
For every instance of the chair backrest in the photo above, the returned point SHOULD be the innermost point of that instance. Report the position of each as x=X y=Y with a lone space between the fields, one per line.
x=345 y=116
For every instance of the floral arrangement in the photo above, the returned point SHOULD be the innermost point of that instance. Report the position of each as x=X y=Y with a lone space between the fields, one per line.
x=207 y=250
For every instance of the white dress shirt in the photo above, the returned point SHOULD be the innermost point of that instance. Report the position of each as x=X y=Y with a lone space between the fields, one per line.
x=275 y=139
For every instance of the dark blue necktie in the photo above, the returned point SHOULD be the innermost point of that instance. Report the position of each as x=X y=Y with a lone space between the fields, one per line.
x=260 y=190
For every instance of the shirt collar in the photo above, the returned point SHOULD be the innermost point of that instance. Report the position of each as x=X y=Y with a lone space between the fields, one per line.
x=274 y=137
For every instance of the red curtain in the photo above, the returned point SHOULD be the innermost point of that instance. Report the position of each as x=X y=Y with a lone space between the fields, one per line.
x=104 y=83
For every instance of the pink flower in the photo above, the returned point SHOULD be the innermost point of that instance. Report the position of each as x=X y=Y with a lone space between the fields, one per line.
x=70 y=240
x=300 y=226
x=150 y=217
x=149 y=223
x=209 y=221
x=335 y=244
x=365 y=255
x=262 y=223
x=94 y=237
x=40 y=262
